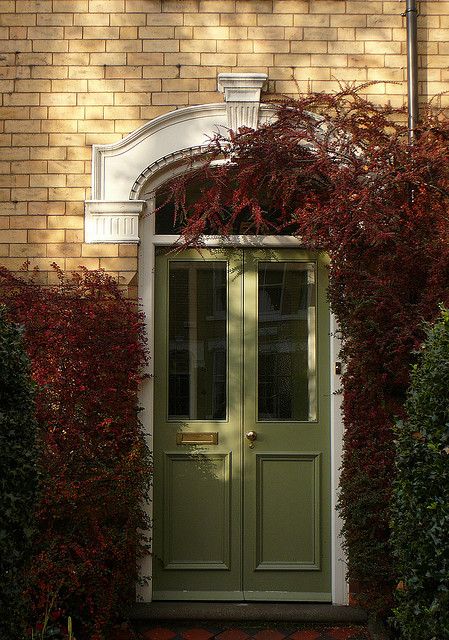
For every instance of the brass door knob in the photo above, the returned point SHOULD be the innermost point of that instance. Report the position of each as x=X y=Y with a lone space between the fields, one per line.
x=251 y=436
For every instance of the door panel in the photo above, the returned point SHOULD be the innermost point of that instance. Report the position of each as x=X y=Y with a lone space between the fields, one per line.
x=242 y=342
x=188 y=544
x=288 y=512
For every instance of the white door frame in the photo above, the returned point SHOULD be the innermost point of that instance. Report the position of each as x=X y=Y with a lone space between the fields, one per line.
x=146 y=294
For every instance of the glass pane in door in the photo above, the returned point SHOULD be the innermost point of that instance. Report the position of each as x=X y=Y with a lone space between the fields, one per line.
x=197 y=341
x=286 y=341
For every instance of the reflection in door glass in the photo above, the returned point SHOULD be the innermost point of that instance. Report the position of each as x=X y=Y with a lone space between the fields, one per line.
x=286 y=341
x=197 y=341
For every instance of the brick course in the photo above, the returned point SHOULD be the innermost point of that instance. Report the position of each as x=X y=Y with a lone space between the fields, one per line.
x=78 y=72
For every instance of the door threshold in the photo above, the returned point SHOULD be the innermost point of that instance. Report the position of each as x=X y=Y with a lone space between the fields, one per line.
x=238 y=611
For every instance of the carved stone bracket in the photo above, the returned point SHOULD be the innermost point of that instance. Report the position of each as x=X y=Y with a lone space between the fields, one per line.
x=108 y=221
x=242 y=97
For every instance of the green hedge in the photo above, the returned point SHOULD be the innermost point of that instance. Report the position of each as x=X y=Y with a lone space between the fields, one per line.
x=421 y=495
x=18 y=479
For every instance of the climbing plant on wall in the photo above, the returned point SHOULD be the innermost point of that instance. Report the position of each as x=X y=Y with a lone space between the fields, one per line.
x=339 y=172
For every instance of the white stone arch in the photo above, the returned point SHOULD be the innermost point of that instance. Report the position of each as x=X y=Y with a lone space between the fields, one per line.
x=112 y=215
x=124 y=177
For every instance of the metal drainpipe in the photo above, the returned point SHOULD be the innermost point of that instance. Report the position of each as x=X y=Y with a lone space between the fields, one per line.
x=411 y=14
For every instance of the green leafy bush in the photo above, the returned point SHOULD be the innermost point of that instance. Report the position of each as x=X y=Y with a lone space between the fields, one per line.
x=421 y=495
x=18 y=479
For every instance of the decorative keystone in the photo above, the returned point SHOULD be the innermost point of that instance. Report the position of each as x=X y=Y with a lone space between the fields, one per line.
x=242 y=97
x=108 y=221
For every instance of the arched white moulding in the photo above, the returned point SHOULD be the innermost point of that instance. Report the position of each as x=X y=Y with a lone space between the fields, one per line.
x=113 y=213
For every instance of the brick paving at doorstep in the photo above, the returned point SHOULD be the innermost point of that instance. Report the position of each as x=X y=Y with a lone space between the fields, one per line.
x=238 y=631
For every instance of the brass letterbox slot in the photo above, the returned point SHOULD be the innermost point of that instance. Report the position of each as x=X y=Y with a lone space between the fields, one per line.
x=197 y=438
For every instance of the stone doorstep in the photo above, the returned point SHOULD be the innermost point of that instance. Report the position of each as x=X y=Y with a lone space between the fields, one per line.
x=242 y=611
x=204 y=631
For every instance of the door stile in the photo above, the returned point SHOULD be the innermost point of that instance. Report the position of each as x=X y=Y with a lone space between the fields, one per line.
x=235 y=383
x=249 y=541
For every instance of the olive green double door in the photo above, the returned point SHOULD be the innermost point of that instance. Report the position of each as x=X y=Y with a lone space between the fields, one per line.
x=242 y=437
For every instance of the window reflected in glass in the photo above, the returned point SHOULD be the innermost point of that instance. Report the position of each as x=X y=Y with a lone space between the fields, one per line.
x=197 y=351
x=286 y=341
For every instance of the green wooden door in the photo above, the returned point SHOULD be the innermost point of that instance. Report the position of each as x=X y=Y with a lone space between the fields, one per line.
x=241 y=437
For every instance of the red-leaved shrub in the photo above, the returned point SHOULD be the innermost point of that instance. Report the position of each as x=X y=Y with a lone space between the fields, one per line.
x=86 y=345
x=339 y=172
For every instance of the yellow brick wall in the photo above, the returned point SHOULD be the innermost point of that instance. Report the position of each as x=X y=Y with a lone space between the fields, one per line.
x=78 y=72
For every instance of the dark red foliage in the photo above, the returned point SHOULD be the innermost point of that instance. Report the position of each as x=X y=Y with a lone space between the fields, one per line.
x=86 y=346
x=339 y=172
